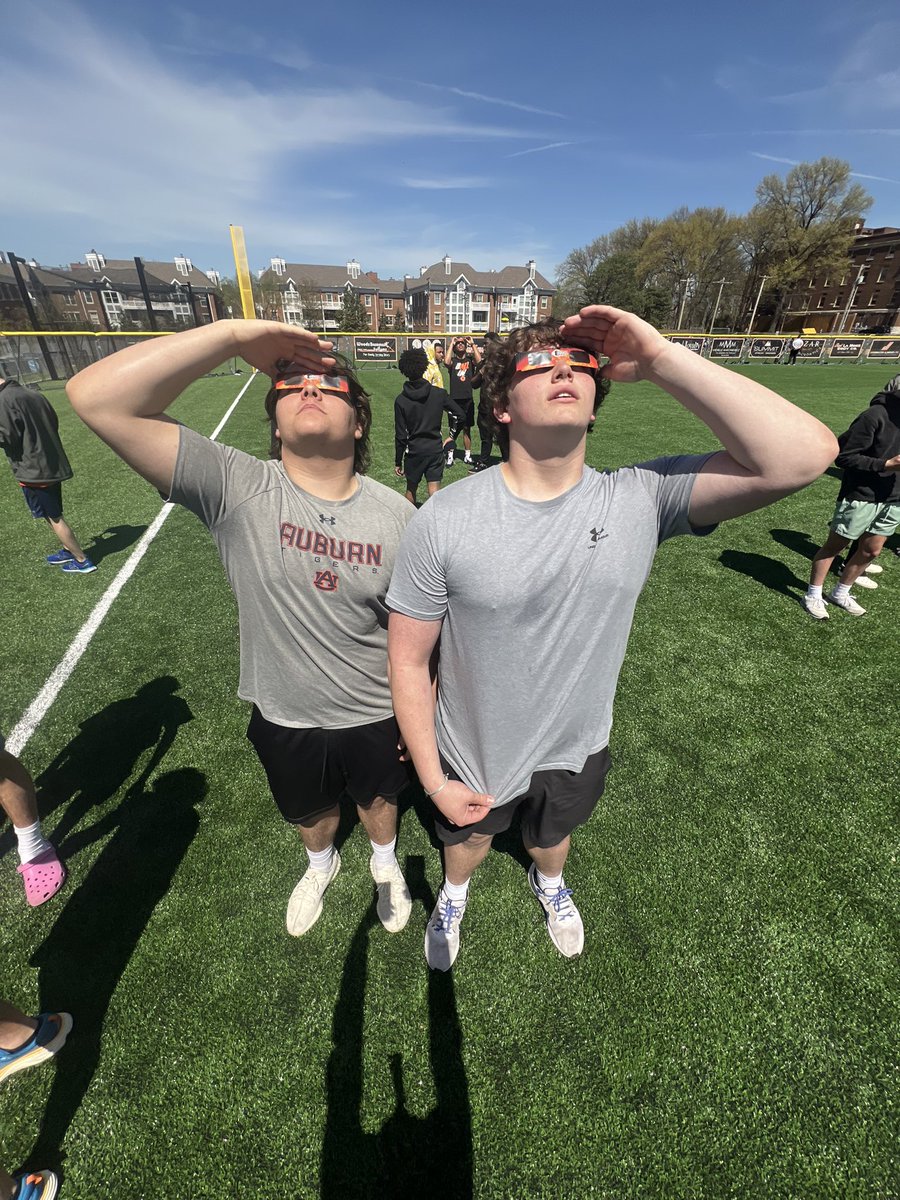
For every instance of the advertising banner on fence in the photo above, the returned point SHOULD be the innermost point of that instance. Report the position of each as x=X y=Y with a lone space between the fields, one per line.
x=692 y=343
x=727 y=347
x=766 y=347
x=375 y=349
x=884 y=348
x=811 y=348
x=845 y=348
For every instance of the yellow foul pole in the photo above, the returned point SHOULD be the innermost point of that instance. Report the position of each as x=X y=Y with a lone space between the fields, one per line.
x=243 y=270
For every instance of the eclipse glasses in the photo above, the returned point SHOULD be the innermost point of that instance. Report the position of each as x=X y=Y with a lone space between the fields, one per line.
x=547 y=357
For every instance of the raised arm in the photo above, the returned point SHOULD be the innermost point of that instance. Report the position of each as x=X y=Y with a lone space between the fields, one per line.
x=772 y=448
x=411 y=646
x=123 y=398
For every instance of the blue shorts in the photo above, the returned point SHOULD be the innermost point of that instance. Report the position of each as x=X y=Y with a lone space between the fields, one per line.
x=44 y=501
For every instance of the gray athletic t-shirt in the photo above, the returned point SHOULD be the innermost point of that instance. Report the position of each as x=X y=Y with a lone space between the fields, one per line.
x=537 y=601
x=310 y=578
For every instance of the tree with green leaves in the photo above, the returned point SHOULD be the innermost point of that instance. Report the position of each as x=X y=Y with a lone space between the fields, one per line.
x=353 y=314
x=687 y=257
x=805 y=223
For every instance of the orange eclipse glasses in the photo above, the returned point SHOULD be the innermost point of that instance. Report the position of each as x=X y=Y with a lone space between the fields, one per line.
x=324 y=383
x=547 y=357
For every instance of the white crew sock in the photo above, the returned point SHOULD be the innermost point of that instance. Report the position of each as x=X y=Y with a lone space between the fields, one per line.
x=457 y=892
x=386 y=855
x=841 y=591
x=548 y=883
x=813 y=592
x=320 y=860
x=32 y=842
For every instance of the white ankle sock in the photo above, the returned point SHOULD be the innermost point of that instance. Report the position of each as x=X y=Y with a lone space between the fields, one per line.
x=386 y=855
x=841 y=591
x=548 y=882
x=32 y=842
x=813 y=592
x=320 y=860
x=456 y=892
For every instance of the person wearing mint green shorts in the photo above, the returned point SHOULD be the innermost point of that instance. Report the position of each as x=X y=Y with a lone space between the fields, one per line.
x=868 y=504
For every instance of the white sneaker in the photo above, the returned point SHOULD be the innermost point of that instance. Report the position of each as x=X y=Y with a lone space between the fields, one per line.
x=442 y=932
x=563 y=918
x=467 y=459
x=864 y=581
x=874 y=569
x=305 y=905
x=394 y=901
x=847 y=603
x=816 y=607
x=450 y=458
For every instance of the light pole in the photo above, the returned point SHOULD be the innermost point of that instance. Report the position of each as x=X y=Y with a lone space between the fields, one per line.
x=756 y=305
x=860 y=280
x=684 y=282
x=712 y=324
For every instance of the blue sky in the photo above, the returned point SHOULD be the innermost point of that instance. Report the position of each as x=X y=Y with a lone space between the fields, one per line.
x=395 y=135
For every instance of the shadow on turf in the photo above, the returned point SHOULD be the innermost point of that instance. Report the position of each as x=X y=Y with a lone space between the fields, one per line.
x=100 y=758
x=92 y=940
x=771 y=573
x=113 y=540
x=409 y=1156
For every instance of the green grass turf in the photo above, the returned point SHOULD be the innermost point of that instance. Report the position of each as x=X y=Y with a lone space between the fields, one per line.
x=728 y=1031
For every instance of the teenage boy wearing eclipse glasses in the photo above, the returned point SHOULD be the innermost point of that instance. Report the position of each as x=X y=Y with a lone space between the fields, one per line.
x=308 y=544
x=528 y=577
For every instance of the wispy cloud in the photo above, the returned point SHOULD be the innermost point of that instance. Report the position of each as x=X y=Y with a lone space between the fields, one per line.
x=879 y=178
x=791 y=162
x=455 y=91
x=439 y=185
x=539 y=149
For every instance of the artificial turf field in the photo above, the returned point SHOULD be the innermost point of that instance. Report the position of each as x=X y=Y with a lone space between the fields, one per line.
x=729 y=1031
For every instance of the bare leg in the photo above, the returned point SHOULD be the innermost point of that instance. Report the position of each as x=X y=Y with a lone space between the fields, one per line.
x=461 y=860
x=433 y=487
x=64 y=532
x=411 y=495
x=319 y=832
x=379 y=820
x=823 y=558
x=870 y=546
x=549 y=860
x=16 y=791
x=15 y=1027
x=467 y=441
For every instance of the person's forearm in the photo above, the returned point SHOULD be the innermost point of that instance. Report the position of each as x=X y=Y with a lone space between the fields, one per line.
x=143 y=380
x=761 y=430
x=413 y=695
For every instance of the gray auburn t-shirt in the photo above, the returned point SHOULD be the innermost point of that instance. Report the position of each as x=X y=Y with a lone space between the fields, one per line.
x=310 y=578
x=537 y=601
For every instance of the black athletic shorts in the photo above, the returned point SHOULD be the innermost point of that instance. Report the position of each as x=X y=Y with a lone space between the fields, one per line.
x=431 y=465
x=310 y=769
x=555 y=803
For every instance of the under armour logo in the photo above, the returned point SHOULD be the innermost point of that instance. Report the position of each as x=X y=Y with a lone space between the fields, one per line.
x=597 y=534
x=327 y=520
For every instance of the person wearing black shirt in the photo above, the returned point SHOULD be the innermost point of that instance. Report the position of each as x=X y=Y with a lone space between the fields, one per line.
x=462 y=366
x=868 y=504
x=417 y=425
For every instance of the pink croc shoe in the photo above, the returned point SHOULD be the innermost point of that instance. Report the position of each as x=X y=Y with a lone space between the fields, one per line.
x=43 y=877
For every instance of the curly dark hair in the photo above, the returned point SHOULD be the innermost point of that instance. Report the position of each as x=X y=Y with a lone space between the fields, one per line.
x=499 y=365
x=412 y=363
x=359 y=400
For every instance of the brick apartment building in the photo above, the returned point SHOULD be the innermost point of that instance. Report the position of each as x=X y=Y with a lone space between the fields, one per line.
x=453 y=297
x=312 y=294
x=445 y=297
x=107 y=294
x=863 y=298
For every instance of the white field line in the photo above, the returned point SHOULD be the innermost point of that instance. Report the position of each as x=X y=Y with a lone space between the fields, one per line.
x=40 y=706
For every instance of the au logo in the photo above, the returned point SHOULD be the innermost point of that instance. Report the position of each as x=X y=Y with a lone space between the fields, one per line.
x=326 y=581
